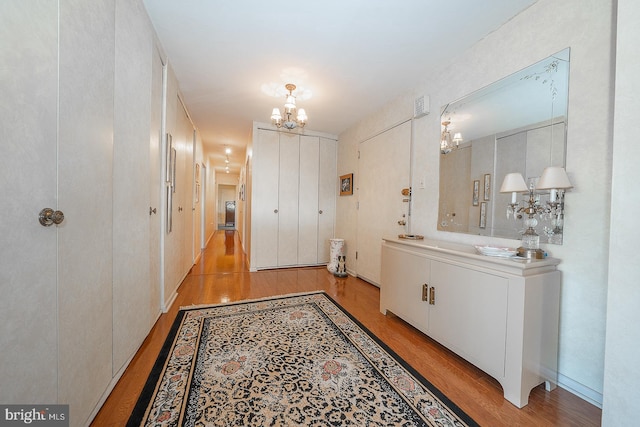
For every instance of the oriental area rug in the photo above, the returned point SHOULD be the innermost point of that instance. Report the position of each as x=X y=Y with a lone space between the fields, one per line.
x=284 y=361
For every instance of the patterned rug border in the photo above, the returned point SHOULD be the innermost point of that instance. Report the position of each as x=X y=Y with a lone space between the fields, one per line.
x=143 y=401
x=250 y=300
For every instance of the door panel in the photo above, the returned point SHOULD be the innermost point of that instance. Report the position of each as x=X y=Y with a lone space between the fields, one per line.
x=28 y=183
x=402 y=293
x=288 y=186
x=470 y=314
x=326 y=196
x=156 y=177
x=383 y=172
x=264 y=206
x=85 y=194
x=308 y=202
x=230 y=214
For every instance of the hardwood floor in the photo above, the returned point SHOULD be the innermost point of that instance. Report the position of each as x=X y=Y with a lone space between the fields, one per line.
x=221 y=276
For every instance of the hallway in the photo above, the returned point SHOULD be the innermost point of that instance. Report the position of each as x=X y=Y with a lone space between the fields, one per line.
x=221 y=276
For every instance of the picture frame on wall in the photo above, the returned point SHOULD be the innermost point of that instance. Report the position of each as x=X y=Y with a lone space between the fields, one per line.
x=487 y=186
x=483 y=215
x=476 y=192
x=346 y=184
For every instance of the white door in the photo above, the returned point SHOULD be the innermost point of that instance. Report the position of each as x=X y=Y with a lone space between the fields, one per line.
x=288 y=187
x=57 y=108
x=383 y=171
x=155 y=191
x=326 y=196
x=28 y=183
x=85 y=177
x=308 y=200
x=264 y=204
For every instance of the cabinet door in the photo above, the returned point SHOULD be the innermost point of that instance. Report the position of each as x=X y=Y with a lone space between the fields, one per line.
x=288 y=187
x=308 y=200
x=403 y=276
x=469 y=315
x=327 y=182
x=264 y=205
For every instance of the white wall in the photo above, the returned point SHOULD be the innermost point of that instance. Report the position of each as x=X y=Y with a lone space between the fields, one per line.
x=622 y=371
x=544 y=29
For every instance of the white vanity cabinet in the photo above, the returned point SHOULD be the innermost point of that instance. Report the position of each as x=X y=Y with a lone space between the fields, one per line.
x=499 y=314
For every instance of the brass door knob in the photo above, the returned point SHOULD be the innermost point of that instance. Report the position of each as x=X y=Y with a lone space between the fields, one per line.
x=48 y=217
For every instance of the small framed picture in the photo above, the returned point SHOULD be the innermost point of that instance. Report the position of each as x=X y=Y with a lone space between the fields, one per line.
x=346 y=184
x=487 y=186
x=483 y=215
x=476 y=192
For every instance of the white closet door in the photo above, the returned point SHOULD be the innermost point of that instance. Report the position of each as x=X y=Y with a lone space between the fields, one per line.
x=28 y=167
x=264 y=205
x=85 y=195
x=383 y=171
x=308 y=200
x=155 y=191
x=327 y=183
x=288 y=187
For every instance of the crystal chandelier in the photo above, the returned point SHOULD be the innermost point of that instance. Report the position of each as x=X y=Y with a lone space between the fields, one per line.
x=448 y=144
x=293 y=117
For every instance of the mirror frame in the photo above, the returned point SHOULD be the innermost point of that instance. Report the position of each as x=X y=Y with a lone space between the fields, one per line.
x=516 y=124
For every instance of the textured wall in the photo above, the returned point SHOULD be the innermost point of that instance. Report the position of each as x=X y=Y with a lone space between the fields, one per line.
x=622 y=372
x=543 y=29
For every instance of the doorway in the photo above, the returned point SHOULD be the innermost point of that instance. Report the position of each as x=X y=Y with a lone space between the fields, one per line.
x=226 y=207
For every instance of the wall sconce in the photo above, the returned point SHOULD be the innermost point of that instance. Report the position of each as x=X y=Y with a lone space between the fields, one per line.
x=553 y=179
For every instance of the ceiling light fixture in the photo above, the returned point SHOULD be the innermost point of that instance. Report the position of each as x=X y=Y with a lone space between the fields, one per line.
x=448 y=144
x=293 y=117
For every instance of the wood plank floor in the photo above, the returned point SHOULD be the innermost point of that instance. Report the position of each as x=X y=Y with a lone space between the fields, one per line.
x=221 y=276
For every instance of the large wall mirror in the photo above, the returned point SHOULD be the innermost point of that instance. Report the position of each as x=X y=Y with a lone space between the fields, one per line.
x=517 y=124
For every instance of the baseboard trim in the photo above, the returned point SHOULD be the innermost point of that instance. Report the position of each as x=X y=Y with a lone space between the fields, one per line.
x=109 y=389
x=167 y=305
x=580 y=390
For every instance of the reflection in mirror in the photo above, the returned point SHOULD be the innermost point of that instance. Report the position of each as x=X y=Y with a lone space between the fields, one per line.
x=517 y=124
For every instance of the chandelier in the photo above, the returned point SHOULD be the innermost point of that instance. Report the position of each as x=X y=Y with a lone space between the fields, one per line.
x=293 y=117
x=448 y=144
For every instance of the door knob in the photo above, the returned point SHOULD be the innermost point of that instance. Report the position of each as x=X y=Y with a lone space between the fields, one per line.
x=49 y=217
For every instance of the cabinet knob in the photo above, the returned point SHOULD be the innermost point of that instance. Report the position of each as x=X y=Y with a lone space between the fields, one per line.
x=275 y=211
x=320 y=211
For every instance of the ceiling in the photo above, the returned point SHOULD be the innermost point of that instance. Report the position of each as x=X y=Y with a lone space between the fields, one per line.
x=351 y=57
